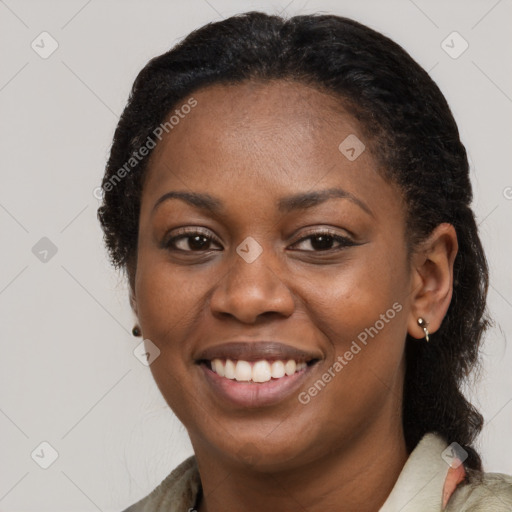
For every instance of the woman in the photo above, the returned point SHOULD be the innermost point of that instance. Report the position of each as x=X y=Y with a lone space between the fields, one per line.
x=290 y=201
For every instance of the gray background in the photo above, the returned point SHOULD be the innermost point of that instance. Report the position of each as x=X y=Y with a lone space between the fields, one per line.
x=68 y=375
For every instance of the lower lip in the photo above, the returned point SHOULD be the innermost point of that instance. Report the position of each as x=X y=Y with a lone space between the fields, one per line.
x=255 y=394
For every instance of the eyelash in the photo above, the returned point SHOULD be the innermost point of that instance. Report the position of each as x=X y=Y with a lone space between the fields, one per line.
x=341 y=240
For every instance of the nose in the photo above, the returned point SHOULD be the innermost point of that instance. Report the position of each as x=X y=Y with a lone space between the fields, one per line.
x=249 y=291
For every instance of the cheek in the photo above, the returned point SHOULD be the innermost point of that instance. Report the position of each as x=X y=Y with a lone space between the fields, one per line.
x=347 y=301
x=361 y=311
x=168 y=298
x=169 y=304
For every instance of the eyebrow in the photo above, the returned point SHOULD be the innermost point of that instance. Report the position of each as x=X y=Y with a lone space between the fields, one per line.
x=316 y=197
x=301 y=201
x=202 y=201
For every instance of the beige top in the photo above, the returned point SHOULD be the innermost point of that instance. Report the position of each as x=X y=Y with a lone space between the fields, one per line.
x=419 y=487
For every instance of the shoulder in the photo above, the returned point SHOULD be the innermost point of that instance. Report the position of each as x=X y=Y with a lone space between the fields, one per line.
x=176 y=493
x=483 y=492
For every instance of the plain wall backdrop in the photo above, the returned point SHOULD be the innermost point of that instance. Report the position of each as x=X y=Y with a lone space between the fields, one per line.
x=68 y=374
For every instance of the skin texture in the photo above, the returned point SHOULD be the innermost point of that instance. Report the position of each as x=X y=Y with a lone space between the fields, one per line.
x=249 y=145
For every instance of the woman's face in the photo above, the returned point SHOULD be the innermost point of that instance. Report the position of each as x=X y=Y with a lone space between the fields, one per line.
x=258 y=278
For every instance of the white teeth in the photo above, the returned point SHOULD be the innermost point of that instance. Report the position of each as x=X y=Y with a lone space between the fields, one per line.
x=278 y=369
x=229 y=369
x=290 y=367
x=218 y=367
x=243 y=371
x=259 y=371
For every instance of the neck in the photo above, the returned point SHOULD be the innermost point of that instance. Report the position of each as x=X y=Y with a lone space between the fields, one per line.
x=357 y=477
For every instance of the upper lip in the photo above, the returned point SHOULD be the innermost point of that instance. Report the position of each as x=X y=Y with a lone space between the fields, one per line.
x=254 y=351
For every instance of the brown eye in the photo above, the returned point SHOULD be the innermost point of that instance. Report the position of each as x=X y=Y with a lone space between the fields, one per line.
x=191 y=241
x=324 y=240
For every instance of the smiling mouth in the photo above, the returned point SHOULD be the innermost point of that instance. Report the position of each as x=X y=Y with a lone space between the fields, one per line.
x=255 y=361
x=252 y=374
x=256 y=371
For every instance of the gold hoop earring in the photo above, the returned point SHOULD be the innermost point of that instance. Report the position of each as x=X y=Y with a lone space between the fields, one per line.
x=136 y=331
x=423 y=324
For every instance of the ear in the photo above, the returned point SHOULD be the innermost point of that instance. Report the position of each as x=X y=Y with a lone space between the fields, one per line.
x=432 y=279
x=130 y=274
x=133 y=301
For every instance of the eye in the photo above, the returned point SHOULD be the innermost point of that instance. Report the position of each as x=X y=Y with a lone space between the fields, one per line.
x=322 y=241
x=192 y=240
x=195 y=240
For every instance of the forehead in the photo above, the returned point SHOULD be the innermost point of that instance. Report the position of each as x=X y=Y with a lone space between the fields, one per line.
x=244 y=115
x=268 y=100
x=257 y=138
